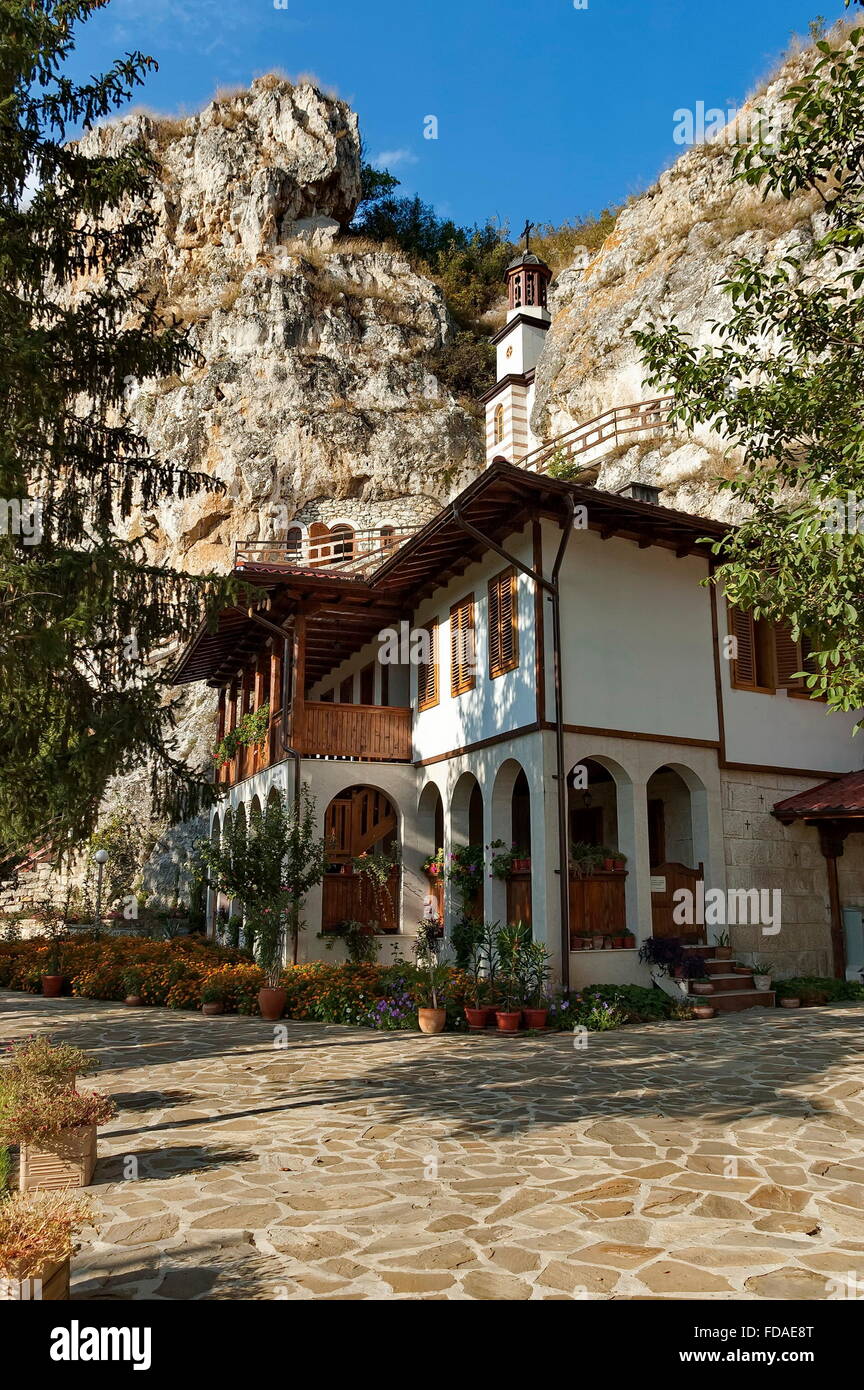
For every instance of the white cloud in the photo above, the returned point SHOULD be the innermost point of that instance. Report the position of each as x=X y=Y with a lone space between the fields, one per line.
x=391 y=159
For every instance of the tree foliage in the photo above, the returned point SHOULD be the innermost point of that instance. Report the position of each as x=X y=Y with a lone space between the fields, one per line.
x=81 y=611
x=784 y=380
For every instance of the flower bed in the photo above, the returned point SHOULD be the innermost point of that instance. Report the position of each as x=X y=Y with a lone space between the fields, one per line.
x=173 y=973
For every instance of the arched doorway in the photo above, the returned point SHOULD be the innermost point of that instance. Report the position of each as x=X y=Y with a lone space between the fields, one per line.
x=466 y=866
x=430 y=836
x=342 y=538
x=676 y=844
x=510 y=886
x=601 y=890
x=361 y=823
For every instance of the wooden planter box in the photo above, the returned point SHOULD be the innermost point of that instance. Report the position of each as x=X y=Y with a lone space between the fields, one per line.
x=69 y=1162
x=50 y=1285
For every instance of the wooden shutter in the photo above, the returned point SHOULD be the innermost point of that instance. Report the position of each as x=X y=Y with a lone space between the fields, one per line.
x=462 y=646
x=427 y=674
x=789 y=659
x=744 y=665
x=503 y=627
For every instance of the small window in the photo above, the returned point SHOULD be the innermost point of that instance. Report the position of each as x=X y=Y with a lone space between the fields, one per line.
x=503 y=628
x=388 y=537
x=427 y=672
x=462 y=648
x=498 y=424
x=343 y=543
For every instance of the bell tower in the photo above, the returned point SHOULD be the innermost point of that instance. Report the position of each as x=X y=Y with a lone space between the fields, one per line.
x=518 y=346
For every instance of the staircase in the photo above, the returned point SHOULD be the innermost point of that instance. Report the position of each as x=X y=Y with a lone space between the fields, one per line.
x=732 y=992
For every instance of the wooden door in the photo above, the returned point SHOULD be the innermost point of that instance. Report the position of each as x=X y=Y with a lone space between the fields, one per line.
x=668 y=878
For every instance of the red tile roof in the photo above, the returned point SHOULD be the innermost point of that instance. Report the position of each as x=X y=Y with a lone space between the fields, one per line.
x=841 y=797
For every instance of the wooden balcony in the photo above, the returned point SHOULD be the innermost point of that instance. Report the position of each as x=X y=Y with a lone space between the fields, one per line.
x=369 y=733
x=373 y=733
x=344 y=550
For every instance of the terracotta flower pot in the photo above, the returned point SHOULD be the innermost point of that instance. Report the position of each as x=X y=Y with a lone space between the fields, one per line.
x=723 y=952
x=476 y=1018
x=608 y=865
x=535 y=1018
x=704 y=987
x=271 y=1002
x=50 y=1284
x=789 y=1003
x=740 y=970
x=618 y=943
x=620 y=866
x=211 y=1010
x=52 y=986
x=133 y=1001
x=431 y=1020
x=67 y=1160
x=508 y=1020
x=629 y=942
x=703 y=1011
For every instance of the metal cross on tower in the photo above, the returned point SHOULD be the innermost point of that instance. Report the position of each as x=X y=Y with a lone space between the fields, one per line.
x=526 y=232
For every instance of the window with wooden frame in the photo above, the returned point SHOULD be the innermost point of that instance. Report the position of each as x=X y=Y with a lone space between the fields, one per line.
x=768 y=658
x=503 y=624
x=463 y=666
x=427 y=671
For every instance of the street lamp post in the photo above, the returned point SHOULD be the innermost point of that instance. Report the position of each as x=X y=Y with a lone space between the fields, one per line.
x=100 y=858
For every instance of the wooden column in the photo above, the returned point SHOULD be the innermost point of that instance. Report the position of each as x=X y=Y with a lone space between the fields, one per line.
x=275 y=699
x=831 y=838
x=259 y=752
x=298 y=682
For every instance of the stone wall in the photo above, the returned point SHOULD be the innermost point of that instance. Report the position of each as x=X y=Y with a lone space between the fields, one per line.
x=762 y=853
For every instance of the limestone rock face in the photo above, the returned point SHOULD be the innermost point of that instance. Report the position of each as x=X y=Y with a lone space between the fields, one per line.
x=664 y=262
x=312 y=390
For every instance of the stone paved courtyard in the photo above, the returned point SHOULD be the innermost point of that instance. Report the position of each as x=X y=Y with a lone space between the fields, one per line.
x=722 y=1160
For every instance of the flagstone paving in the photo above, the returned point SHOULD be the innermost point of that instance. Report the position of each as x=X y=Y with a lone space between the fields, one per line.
x=720 y=1160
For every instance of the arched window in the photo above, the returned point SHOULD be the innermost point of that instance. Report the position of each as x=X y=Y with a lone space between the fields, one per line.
x=517 y=291
x=293 y=542
x=342 y=538
x=498 y=428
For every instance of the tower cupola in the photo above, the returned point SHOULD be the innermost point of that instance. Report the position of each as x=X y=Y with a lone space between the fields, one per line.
x=527 y=283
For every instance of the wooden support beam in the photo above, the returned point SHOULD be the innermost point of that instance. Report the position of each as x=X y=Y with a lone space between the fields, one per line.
x=831 y=838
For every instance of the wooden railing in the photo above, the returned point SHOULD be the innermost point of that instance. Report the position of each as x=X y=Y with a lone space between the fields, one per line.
x=370 y=733
x=378 y=733
x=604 y=432
x=356 y=553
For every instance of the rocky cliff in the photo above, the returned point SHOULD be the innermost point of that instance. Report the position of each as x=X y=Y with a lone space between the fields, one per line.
x=664 y=262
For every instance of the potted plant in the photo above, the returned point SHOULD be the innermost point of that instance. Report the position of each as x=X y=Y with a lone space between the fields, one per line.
x=629 y=941
x=534 y=962
x=512 y=940
x=619 y=862
x=56 y=1129
x=703 y=1011
x=212 y=999
x=133 y=983
x=427 y=944
x=270 y=936
x=722 y=946
x=763 y=975
x=597 y=941
x=473 y=945
x=618 y=943
x=502 y=862
x=37 y=1241
x=790 y=1001
x=41 y=1062
x=606 y=857
x=433 y=865
x=583 y=858
x=521 y=862
x=701 y=985
x=607 y=943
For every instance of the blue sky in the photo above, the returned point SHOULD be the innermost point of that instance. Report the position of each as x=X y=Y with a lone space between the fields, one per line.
x=544 y=109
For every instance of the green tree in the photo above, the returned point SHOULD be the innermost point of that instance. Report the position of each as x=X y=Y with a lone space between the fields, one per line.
x=81 y=610
x=785 y=381
x=269 y=864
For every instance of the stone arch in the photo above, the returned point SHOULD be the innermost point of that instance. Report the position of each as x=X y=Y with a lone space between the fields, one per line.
x=677 y=802
x=360 y=819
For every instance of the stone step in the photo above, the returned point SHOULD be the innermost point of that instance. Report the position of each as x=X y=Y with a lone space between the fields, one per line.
x=729 y=983
x=733 y=1001
x=718 y=967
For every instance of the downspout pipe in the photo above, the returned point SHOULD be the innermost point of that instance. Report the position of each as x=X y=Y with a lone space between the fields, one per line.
x=551 y=587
